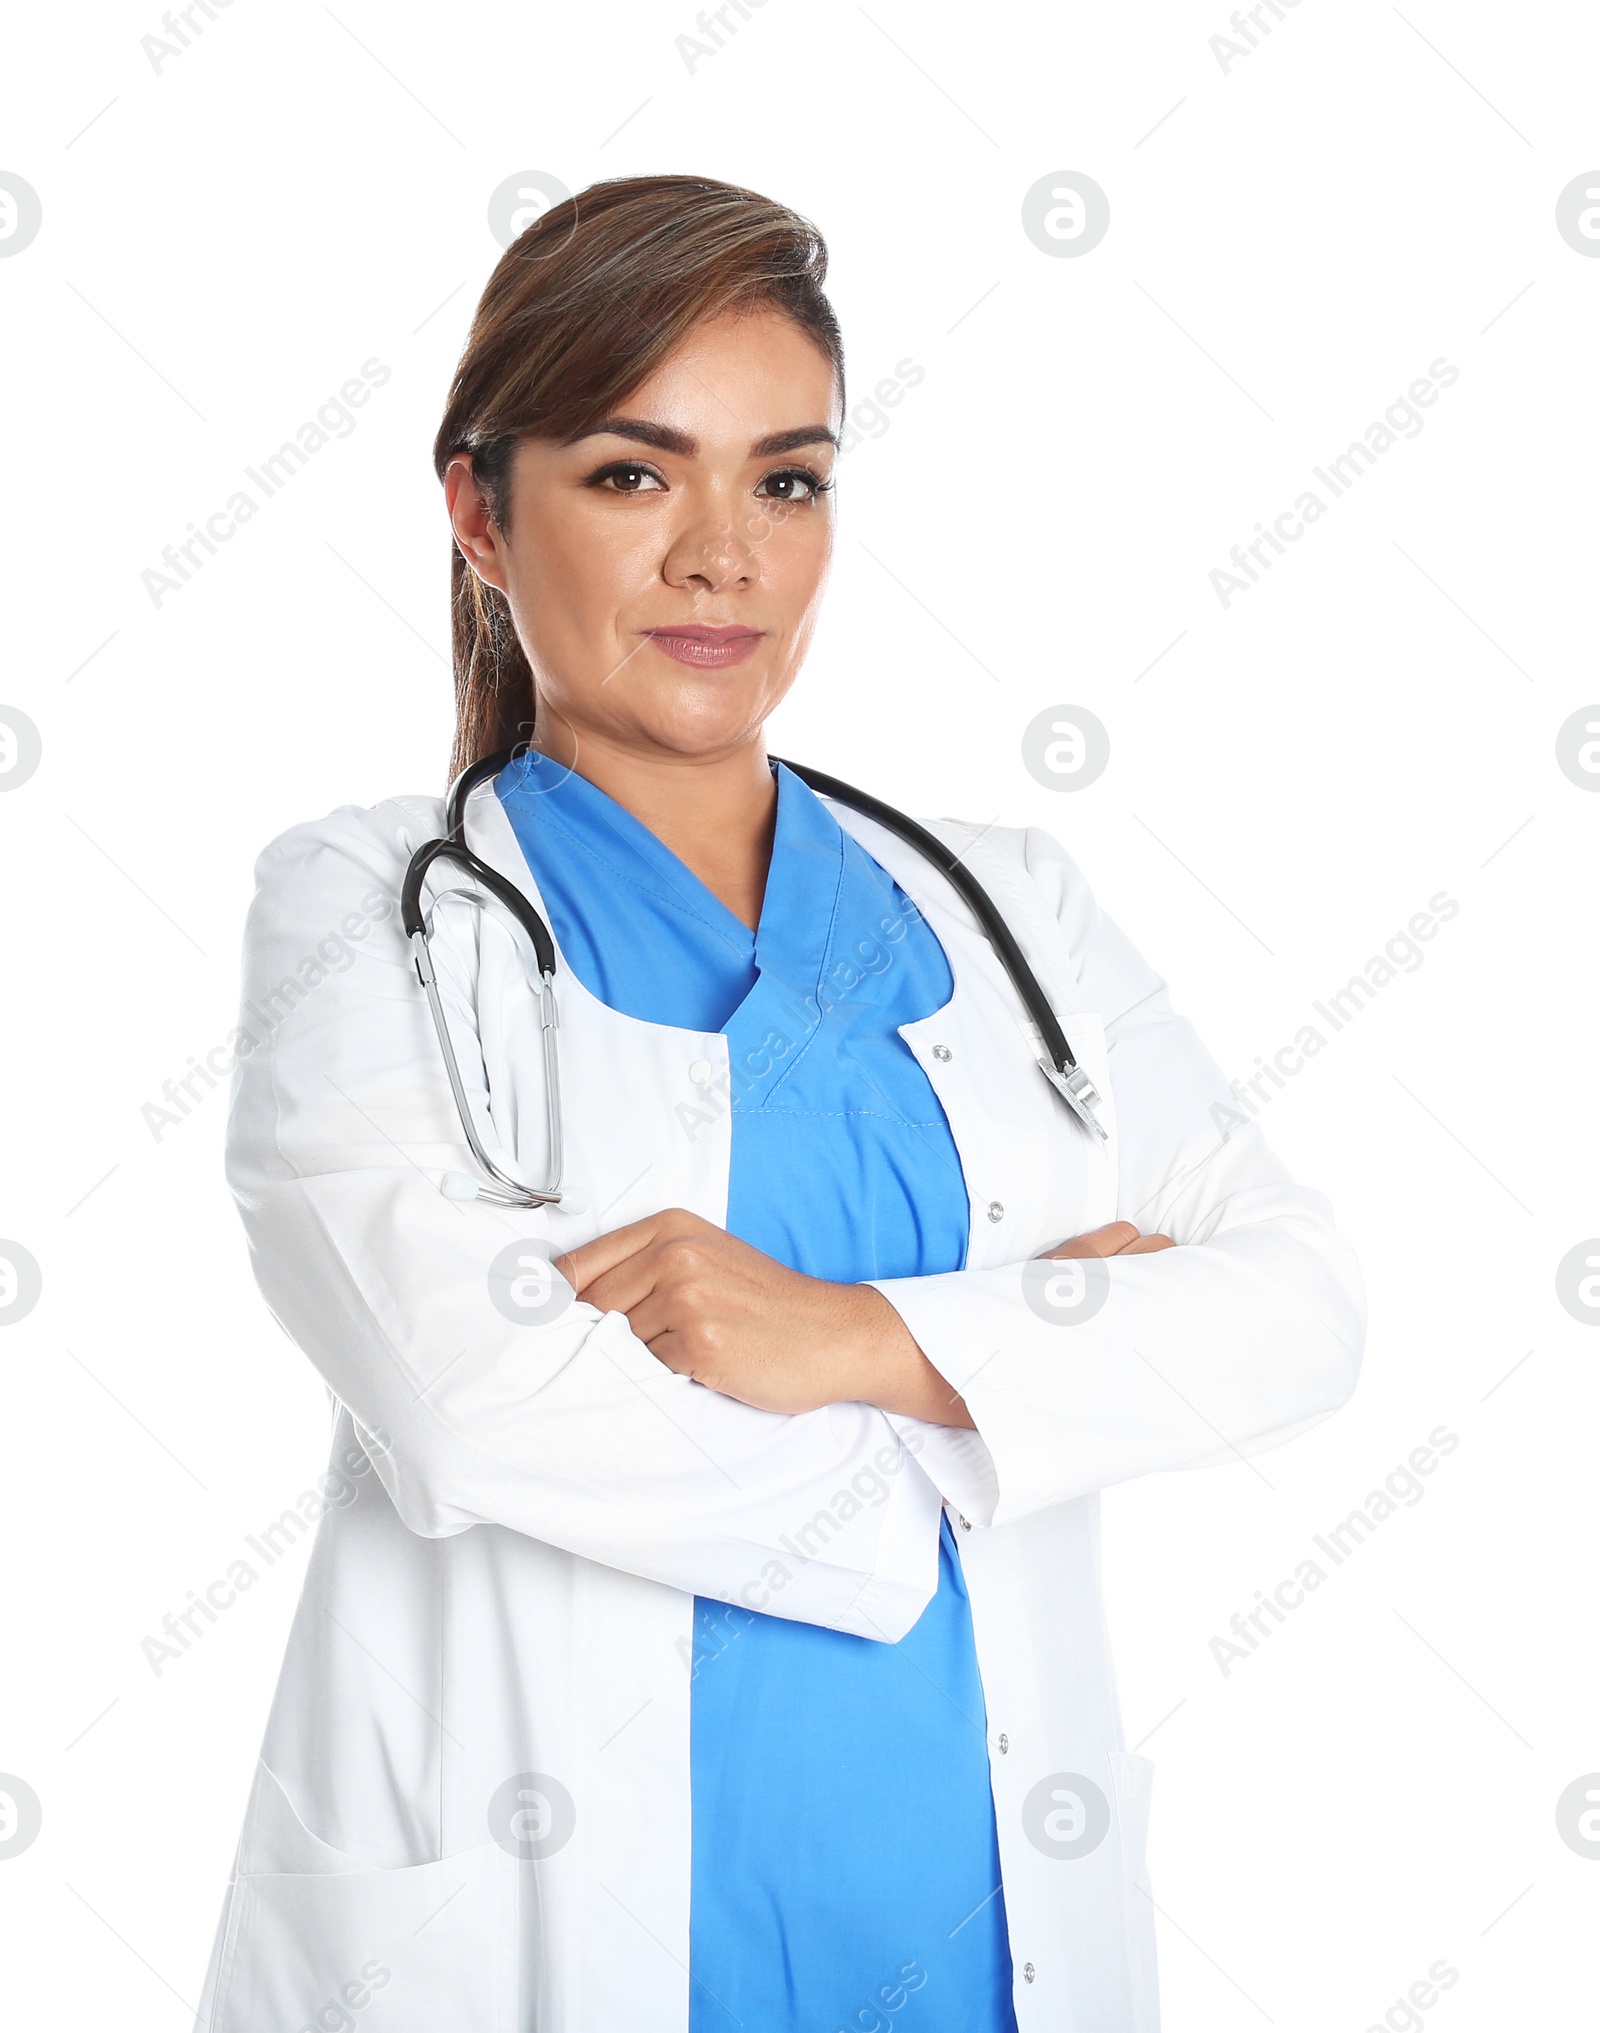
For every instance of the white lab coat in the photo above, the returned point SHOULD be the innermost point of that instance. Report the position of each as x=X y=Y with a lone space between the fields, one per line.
x=520 y=1517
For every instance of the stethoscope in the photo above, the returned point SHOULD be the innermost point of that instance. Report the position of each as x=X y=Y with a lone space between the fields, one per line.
x=499 y=1187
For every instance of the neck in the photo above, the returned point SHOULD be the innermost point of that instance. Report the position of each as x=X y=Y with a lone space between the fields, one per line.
x=717 y=813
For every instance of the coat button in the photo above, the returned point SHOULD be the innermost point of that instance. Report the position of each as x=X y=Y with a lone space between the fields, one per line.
x=997 y=1211
x=1005 y=1743
x=700 y=1072
x=1028 y=1972
x=941 y=1052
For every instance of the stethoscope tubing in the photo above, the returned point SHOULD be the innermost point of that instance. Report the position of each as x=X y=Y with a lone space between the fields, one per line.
x=500 y=1187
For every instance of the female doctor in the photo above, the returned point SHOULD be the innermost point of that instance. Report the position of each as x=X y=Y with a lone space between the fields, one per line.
x=706 y=1632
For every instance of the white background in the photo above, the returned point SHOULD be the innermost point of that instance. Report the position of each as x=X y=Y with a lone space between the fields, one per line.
x=1292 y=776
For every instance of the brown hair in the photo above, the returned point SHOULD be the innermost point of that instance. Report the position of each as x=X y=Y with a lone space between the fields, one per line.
x=580 y=309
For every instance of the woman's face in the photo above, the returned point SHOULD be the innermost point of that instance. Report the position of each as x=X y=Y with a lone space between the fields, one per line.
x=665 y=571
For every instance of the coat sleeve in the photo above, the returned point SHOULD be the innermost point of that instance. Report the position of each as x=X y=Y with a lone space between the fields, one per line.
x=1248 y=1332
x=341 y=1127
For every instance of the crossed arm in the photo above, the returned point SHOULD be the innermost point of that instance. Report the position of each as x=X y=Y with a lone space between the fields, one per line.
x=712 y=1308
x=583 y=1435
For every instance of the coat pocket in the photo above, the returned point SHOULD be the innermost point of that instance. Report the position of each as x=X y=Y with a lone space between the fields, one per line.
x=317 y=1937
x=1131 y=1778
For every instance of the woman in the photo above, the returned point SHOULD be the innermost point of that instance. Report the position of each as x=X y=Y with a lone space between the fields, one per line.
x=709 y=1635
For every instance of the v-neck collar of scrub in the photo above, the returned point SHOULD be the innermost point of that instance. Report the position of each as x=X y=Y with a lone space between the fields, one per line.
x=800 y=904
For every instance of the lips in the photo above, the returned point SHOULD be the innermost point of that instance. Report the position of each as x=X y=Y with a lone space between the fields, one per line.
x=703 y=647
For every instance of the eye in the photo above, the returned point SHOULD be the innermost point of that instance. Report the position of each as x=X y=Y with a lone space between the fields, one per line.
x=626 y=476
x=793 y=483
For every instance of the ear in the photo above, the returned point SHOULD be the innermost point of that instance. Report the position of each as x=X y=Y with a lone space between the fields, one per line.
x=476 y=536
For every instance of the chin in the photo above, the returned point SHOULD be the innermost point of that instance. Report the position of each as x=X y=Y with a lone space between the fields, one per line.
x=709 y=718
x=695 y=736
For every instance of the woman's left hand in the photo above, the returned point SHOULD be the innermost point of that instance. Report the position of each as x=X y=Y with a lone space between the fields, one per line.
x=712 y=1308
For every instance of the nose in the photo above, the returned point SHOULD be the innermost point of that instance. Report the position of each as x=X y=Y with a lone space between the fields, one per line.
x=710 y=555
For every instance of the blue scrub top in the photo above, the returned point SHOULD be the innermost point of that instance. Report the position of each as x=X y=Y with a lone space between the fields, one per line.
x=844 y=1852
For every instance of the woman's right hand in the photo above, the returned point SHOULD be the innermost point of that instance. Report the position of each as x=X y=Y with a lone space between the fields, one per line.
x=1115 y=1239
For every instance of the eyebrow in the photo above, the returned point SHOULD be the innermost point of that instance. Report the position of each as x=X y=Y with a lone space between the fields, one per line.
x=792 y=441
x=664 y=439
